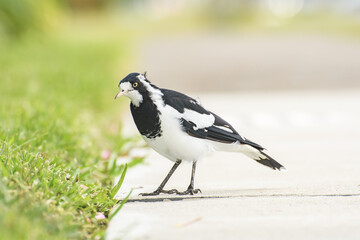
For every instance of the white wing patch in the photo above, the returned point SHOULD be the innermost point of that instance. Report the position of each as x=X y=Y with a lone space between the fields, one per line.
x=200 y=120
x=224 y=128
x=194 y=102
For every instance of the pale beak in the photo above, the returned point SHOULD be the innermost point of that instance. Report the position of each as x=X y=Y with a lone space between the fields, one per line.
x=121 y=93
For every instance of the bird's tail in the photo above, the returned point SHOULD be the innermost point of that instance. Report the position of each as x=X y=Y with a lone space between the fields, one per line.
x=263 y=158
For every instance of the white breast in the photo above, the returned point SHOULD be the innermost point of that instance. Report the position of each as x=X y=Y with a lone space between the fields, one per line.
x=174 y=143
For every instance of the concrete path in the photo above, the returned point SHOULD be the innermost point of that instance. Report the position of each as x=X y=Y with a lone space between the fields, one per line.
x=315 y=135
x=240 y=62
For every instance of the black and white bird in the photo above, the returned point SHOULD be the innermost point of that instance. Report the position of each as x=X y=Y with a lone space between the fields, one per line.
x=180 y=129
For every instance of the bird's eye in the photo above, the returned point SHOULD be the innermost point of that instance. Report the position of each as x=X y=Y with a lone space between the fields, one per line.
x=135 y=84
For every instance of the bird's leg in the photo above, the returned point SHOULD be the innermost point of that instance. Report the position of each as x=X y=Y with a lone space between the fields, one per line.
x=190 y=189
x=161 y=187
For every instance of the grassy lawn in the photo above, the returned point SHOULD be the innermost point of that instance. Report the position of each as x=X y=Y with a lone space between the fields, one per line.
x=57 y=115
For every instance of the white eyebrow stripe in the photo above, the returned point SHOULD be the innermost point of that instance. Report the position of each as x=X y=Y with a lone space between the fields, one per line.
x=141 y=77
x=155 y=94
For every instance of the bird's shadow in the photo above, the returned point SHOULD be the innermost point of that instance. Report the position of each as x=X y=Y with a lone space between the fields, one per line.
x=174 y=198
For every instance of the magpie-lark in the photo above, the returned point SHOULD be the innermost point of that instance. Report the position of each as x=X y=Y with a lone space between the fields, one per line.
x=179 y=128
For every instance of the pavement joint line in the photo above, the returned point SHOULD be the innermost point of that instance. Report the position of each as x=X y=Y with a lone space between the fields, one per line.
x=174 y=198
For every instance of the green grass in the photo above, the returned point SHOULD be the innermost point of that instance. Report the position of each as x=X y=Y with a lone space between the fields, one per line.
x=57 y=114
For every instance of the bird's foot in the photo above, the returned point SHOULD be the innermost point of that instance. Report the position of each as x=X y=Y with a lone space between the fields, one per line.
x=155 y=193
x=190 y=191
x=158 y=191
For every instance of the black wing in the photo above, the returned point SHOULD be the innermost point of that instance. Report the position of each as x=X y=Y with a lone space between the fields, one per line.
x=219 y=130
x=214 y=133
x=181 y=102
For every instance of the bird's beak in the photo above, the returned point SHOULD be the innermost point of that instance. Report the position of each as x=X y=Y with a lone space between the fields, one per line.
x=121 y=93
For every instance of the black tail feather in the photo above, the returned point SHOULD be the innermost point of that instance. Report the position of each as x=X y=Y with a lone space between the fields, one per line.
x=270 y=162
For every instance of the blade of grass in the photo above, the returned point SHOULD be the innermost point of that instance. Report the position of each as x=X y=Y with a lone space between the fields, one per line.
x=3 y=170
x=120 y=205
x=118 y=185
x=112 y=162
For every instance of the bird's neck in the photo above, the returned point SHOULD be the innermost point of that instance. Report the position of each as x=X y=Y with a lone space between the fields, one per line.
x=154 y=93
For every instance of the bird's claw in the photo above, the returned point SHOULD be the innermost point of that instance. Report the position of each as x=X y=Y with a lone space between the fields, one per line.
x=190 y=191
x=155 y=193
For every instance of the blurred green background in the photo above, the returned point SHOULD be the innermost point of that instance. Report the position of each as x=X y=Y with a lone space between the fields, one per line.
x=61 y=60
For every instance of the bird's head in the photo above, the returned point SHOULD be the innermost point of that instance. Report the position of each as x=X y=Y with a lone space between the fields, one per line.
x=133 y=87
